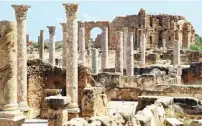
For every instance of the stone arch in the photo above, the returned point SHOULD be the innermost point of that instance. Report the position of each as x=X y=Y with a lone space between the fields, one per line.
x=97 y=39
x=92 y=24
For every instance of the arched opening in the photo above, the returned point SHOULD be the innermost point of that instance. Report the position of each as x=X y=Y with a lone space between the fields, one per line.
x=95 y=37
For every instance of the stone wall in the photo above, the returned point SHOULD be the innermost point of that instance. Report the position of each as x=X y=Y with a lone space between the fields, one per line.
x=192 y=75
x=186 y=56
x=43 y=76
x=160 y=26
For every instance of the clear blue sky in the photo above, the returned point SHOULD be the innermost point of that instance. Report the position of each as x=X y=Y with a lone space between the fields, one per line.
x=47 y=13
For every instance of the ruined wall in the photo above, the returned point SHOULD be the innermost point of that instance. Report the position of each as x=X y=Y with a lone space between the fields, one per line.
x=43 y=76
x=186 y=56
x=160 y=26
x=192 y=75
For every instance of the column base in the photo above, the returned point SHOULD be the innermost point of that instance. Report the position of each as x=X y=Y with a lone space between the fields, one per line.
x=73 y=110
x=23 y=106
x=9 y=107
x=11 y=118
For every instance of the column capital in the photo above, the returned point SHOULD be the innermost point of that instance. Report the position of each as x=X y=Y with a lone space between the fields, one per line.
x=21 y=11
x=71 y=9
x=51 y=29
x=64 y=27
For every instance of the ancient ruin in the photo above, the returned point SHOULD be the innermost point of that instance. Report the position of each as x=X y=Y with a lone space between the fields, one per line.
x=139 y=71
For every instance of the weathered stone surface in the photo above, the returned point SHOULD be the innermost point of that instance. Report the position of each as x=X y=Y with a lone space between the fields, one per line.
x=78 y=122
x=8 y=65
x=104 y=57
x=41 y=45
x=82 y=56
x=95 y=67
x=64 y=32
x=129 y=56
x=94 y=102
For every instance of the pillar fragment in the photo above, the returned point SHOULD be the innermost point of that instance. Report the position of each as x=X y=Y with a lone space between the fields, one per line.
x=82 y=45
x=176 y=50
x=119 y=52
x=95 y=67
x=130 y=57
x=125 y=40
x=143 y=48
x=64 y=32
x=21 y=16
x=51 y=44
x=41 y=45
x=104 y=58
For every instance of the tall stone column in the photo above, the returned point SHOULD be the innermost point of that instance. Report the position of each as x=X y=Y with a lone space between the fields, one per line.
x=21 y=16
x=64 y=32
x=119 y=52
x=125 y=40
x=143 y=48
x=104 y=59
x=130 y=57
x=95 y=69
x=176 y=50
x=82 y=45
x=9 y=113
x=71 y=52
x=41 y=46
x=51 y=44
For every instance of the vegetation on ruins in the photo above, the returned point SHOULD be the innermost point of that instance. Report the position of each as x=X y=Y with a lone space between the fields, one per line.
x=198 y=43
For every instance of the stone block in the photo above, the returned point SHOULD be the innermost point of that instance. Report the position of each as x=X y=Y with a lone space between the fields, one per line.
x=173 y=122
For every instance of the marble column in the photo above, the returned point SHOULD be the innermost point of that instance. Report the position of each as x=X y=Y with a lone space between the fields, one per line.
x=9 y=113
x=95 y=68
x=176 y=49
x=125 y=40
x=119 y=52
x=143 y=48
x=82 y=57
x=104 y=58
x=41 y=46
x=64 y=32
x=72 y=52
x=130 y=57
x=51 y=44
x=21 y=16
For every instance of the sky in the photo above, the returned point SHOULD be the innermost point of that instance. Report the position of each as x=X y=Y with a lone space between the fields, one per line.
x=45 y=13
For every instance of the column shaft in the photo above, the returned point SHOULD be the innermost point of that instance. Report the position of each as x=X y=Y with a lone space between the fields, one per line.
x=41 y=51
x=21 y=15
x=95 y=69
x=104 y=59
x=72 y=53
x=82 y=45
x=64 y=31
x=130 y=57
x=51 y=44
x=119 y=52
x=125 y=40
x=143 y=48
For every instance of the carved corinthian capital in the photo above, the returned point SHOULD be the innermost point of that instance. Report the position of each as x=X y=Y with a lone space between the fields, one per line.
x=51 y=29
x=21 y=11
x=71 y=9
x=64 y=26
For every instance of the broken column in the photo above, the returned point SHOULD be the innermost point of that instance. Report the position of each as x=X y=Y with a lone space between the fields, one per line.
x=130 y=58
x=119 y=52
x=21 y=16
x=41 y=45
x=104 y=58
x=9 y=113
x=51 y=44
x=176 y=50
x=164 y=41
x=143 y=48
x=95 y=67
x=72 y=56
x=82 y=44
x=64 y=32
